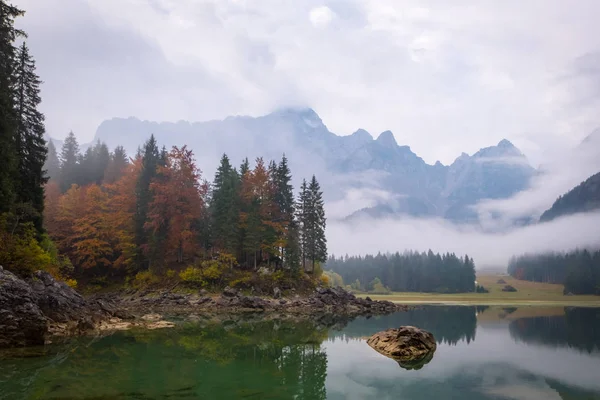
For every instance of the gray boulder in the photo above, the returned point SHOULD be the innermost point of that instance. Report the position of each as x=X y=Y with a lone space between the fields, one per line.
x=22 y=322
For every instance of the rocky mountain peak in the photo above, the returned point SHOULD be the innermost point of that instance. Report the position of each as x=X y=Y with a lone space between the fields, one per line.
x=387 y=139
x=362 y=135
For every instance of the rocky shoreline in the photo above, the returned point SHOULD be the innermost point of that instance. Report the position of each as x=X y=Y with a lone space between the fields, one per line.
x=34 y=310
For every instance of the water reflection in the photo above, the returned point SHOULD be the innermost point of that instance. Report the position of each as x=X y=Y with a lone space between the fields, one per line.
x=482 y=354
x=449 y=325
x=271 y=360
x=578 y=328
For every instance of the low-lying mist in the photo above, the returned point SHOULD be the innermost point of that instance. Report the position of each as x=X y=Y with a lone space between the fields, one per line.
x=490 y=250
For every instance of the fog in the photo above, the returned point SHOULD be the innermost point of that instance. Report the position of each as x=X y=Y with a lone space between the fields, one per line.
x=496 y=237
x=490 y=250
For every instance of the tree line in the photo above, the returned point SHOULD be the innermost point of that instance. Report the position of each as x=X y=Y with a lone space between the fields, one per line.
x=23 y=242
x=578 y=271
x=112 y=215
x=407 y=272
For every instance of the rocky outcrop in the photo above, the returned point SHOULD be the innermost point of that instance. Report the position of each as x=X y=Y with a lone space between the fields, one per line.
x=411 y=347
x=22 y=323
x=30 y=309
x=323 y=300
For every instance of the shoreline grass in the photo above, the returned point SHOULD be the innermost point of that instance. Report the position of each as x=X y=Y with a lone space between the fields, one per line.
x=527 y=294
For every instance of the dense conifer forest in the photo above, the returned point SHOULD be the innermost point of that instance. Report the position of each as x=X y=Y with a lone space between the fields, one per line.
x=579 y=270
x=406 y=272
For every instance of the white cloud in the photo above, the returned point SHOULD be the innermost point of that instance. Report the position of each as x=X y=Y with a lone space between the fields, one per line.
x=490 y=250
x=321 y=16
x=445 y=77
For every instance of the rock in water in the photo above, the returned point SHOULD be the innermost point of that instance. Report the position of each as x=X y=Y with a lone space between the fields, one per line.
x=411 y=347
x=21 y=320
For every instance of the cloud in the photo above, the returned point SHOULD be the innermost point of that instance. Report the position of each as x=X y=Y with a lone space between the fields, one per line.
x=490 y=250
x=445 y=77
x=321 y=16
x=554 y=179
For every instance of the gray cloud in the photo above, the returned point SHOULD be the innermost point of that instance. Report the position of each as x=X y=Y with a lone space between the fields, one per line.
x=445 y=77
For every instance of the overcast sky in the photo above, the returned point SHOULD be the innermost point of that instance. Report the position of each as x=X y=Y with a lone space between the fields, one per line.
x=444 y=76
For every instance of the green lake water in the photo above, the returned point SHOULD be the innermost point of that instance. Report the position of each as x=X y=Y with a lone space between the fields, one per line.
x=483 y=353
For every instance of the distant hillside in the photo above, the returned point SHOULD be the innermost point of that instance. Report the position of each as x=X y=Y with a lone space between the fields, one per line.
x=585 y=197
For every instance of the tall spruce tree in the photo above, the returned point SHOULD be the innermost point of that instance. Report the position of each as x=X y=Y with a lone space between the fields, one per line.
x=30 y=143
x=224 y=207
x=143 y=194
x=69 y=159
x=317 y=247
x=52 y=164
x=305 y=232
x=116 y=166
x=284 y=197
x=8 y=122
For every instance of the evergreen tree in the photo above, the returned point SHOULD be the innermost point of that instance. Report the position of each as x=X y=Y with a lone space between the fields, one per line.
x=69 y=158
x=317 y=247
x=150 y=163
x=52 y=164
x=8 y=121
x=31 y=146
x=224 y=207
x=304 y=227
x=284 y=197
x=409 y=272
x=116 y=166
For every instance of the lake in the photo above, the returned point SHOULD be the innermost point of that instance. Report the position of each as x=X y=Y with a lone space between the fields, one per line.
x=483 y=353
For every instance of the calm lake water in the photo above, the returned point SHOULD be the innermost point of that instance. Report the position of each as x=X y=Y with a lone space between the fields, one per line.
x=483 y=353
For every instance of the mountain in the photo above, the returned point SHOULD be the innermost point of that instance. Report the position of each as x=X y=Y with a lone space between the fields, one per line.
x=584 y=197
x=355 y=161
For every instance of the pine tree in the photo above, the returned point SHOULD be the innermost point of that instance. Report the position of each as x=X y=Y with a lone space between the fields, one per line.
x=69 y=158
x=305 y=232
x=52 y=164
x=116 y=166
x=31 y=146
x=150 y=163
x=224 y=207
x=8 y=121
x=284 y=198
x=317 y=246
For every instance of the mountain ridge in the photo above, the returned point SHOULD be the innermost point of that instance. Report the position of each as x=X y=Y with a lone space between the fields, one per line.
x=582 y=198
x=424 y=189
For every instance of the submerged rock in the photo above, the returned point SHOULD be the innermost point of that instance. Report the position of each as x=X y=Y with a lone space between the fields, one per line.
x=411 y=347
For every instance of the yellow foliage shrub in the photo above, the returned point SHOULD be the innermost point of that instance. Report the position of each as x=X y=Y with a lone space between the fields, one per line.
x=20 y=252
x=146 y=278
x=325 y=280
x=192 y=275
x=72 y=283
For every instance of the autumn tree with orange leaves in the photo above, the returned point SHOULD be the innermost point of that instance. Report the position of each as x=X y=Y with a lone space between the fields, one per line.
x=155 y=213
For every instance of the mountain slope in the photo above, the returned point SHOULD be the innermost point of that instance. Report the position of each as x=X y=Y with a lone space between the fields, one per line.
x=584 y=197
x=342 y=162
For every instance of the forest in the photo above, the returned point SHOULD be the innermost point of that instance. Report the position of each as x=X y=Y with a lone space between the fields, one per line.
x=578 y=271
x=112 y=216
x=406 y=272
x=104 y=216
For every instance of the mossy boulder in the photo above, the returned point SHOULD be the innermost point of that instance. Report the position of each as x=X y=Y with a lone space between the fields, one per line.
x=410 y=346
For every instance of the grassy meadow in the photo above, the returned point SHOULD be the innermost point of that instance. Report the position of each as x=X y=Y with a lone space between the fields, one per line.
x=528 y=293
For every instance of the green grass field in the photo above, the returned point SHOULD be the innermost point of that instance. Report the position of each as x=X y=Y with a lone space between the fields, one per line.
x=528 y=293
